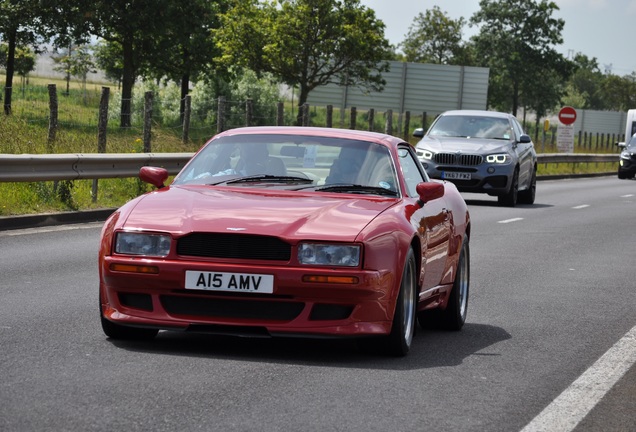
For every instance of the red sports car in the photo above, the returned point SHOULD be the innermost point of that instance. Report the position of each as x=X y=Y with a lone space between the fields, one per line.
x=289 y=231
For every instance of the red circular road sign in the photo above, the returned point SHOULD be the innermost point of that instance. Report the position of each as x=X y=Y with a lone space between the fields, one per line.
x=567 y=115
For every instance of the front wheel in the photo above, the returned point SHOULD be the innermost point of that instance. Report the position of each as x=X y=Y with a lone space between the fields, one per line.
x=403 y=328
x=116 y=331
x=510 y=198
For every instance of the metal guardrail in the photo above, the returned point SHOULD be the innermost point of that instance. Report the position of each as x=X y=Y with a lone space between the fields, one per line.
x=49 y=167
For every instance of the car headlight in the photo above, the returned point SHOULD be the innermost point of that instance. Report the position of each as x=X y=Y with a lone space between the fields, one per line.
x=424 y=154
x=501 y=158
x=130 y=243
x=329 y=254
x=626 y=155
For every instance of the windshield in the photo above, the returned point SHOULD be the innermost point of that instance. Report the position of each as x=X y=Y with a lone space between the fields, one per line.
x=632 y=142
x=300 y=162
x=471 y=127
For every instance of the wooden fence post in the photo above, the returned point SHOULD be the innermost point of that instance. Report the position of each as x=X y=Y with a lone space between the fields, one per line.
x=220 y=115
x=354 y=118
x=53 y=111
x=388 y=122
x=329 y=119
x=187 y=112
x=102 y=125
x=424 y=121
x=148 y=98
x=371 y=119
x=249 y=109
x=280 y=114
x=305 y=114
x=407 y=125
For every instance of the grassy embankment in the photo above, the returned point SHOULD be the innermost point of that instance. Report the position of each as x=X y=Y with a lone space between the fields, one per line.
x=26 y=132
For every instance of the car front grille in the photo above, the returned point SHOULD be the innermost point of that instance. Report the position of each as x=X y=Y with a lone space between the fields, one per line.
x=458 y=159
x=236 y=246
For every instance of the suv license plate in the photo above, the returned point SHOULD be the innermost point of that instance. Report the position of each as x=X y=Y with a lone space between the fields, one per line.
x=455 y=175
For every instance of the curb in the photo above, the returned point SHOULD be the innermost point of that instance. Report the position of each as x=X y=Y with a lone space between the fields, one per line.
x=50 y=219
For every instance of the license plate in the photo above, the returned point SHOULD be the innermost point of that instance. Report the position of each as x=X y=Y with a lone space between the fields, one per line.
x=455 y=175
x=232 y=282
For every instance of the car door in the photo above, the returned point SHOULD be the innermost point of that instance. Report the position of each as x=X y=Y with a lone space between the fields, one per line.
x=524 y=156
x=432 y=221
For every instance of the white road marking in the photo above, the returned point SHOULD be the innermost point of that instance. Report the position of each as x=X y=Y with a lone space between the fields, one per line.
x=627 y=196
x=570 y=407
x=510 y=220
x=581 y=206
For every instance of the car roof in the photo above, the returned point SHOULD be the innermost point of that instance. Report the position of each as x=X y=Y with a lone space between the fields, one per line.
x=473 y=113
x=376 y=137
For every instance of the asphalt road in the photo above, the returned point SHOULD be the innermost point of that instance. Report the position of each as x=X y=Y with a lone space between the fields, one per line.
x=552 y=297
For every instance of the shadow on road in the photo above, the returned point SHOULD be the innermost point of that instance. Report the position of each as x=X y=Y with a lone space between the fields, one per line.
x=430 y=349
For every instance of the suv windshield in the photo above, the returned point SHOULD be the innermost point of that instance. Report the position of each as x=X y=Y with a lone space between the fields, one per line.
x=472 y=127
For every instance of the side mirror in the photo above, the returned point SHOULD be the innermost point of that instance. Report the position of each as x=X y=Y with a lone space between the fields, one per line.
x=429 y=191
x=154 y=175
x=419 y=133
x=525 y=139
x=621 y=144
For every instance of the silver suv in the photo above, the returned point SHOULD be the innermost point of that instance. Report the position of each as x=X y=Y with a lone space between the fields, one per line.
x=483 y=152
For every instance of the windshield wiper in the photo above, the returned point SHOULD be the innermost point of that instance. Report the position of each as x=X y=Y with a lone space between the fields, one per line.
x=267 y=177
x=358 y=189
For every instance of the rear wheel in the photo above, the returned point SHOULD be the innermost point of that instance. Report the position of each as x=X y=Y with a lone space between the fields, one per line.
x=116 y=331
x=403 y=328
x=510 y=198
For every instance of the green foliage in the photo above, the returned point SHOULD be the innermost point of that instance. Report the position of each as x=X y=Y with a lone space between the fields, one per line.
x=516 y=40
x=306 y=43
x=433 y=38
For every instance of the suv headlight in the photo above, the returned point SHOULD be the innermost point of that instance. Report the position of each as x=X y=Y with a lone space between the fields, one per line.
x=329 y=254
x=424 y=154
x=626 y=155
x=501 y=158
x=129 y=243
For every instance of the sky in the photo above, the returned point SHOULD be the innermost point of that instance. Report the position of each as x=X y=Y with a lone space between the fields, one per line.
x=604 y=29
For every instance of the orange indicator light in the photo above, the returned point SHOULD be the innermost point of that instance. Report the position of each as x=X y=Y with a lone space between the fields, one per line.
x=331 y=279
x=129 y=268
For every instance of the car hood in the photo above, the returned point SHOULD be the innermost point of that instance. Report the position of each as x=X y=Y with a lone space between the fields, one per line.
x=464 y=145
x=283 y=214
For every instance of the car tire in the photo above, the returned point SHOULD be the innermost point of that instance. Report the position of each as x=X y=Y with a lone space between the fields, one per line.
x=622 y=175
x=509 y=199
x=403 y=328
x=119 y=332
x=528 y=196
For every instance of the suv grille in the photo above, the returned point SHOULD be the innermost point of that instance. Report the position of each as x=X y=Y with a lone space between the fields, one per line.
x=458 y=159
x=238 y=246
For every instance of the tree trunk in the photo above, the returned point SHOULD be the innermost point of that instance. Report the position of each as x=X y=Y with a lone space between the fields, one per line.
x=128 y=81
x=303 y=95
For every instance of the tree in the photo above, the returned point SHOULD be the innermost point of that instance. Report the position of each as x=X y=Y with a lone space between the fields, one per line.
x=620 y=92
x=133 y=25
x=306 y=43
x=186 y=47
x=516 y=40
x=587 y=81
x=433 y=38
x=78 y=63
x=20 y=26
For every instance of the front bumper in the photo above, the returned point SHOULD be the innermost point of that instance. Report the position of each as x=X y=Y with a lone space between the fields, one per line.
x=295 y=308
x=491 y=179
